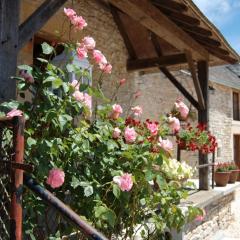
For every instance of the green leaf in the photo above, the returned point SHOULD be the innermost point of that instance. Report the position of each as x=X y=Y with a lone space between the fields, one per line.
x=42 y=60
x=46 y=48
x=25 y=67
x=31 y=141
x=75 y=182
x=57 y=82
x=116 y=191
x=106 y=214
x=88 y=191
x=70 y=68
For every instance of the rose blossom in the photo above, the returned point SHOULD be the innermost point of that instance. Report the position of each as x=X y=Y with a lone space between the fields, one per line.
x=107 y=68
x=200 y=218
x=87 y=101
x=122 y=81
x=117 y=110
x=130 y=135
x=174 y=123
x=152 y=127
x=182 y=108
x=14 y=113
x=165 y=144
x=27 y=77
x=89 y=43
x=70 y=13
x=99 y=57
x=55 y=178
x=116 y=133
x=75 y=84
x=78 y=22
x=81 y=52
x=79 y=96
x=137 y=111
x=124 y=182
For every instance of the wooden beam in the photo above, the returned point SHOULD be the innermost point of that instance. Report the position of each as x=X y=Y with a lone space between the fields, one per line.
x=194 y=29
x=163 y=61
x=154 y=20
x=196 y=82
x=37 y=20
x=9 y=21
x=217 y=50
x=172 y=79
x=185 y=18
x=169 y=4
x=127 y=41
x=203 y=117
x=206 y=40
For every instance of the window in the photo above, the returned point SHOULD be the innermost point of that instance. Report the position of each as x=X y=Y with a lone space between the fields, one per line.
x=236 y=115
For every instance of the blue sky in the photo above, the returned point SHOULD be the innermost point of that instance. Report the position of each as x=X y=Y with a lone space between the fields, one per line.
x=225 y=14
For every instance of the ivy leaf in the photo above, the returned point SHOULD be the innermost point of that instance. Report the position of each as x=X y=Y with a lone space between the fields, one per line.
x=46 y=48
x=88 y=191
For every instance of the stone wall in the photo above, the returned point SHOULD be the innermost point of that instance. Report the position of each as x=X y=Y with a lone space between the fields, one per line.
x=218 y=216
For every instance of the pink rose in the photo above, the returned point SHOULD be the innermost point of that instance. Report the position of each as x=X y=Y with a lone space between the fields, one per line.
x=14 y=113
x=130 y=135
x=81 y=52
x=122 y=81
x=27 y=77
x=117 y=110
x=89 y=43
x=75 y=84
x=182 y=108
x=174 y=123
x=99 y=58
x=79 y=96
x=70 y=13
x=78 y=22
x=137 y=111
x=124 y=182
x=165 y=144
x=88 y=101
x=107 y=68
x=116 y=133
x=55 y=178
x=152 y=127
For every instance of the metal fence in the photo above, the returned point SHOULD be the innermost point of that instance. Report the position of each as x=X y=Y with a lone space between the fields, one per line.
x=55 y=218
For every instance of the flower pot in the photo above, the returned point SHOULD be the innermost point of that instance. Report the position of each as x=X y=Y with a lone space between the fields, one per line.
x=233 y=176
x=221 y=178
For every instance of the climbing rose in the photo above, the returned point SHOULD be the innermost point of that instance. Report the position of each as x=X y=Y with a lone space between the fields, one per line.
x=75 y=84
x=122 y=81
x=89 y=43
x=55 y=178
x=137 y=111
x=78 y=22
x=182 y=108
x=165 y=144
x=174 y=123
x=14 y=113
x=79 y=96
x=70 y=13
x=99 y=57
x=117 y=110
x=87 y=101
x=124 y=182
x=107 y=68
x=130 y=135
x=116 y=133
x=152 y=127
x=81 y=52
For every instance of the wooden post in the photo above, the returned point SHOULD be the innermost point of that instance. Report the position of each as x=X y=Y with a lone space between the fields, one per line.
x=9 y=21
x=203 y=117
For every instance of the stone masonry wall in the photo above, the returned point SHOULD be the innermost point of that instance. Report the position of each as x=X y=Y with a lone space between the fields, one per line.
x=218 y=216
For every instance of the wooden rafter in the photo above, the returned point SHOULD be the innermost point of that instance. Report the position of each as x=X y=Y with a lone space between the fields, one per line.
x=37 y=20
x=172 y=79
x=163 y=61
x=206 y=40
x=123 y=33
x=154 y=20
x=169 y=4
x=196 y=82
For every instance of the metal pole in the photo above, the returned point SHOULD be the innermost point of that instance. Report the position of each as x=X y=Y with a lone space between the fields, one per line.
x=53 y=201
x=17 y=180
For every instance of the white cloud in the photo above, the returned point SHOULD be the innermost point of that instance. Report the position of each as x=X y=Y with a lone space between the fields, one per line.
x=218 y=11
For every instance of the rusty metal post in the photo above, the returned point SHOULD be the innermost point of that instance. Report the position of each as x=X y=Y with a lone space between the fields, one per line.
x=17 y=180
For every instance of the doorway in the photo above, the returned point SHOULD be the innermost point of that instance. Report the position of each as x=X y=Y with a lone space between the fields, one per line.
x=236 y=146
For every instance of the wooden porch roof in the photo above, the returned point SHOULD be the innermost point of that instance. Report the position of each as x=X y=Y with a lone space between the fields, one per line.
x=176 y=27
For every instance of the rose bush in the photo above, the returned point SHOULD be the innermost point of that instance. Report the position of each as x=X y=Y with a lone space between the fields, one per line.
x=102 y=163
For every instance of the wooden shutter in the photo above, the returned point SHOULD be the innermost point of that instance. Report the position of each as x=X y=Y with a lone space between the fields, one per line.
x=235 y=106
x=236 y=143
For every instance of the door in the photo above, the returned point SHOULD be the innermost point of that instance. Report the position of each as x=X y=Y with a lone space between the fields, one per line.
x=236 y=145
